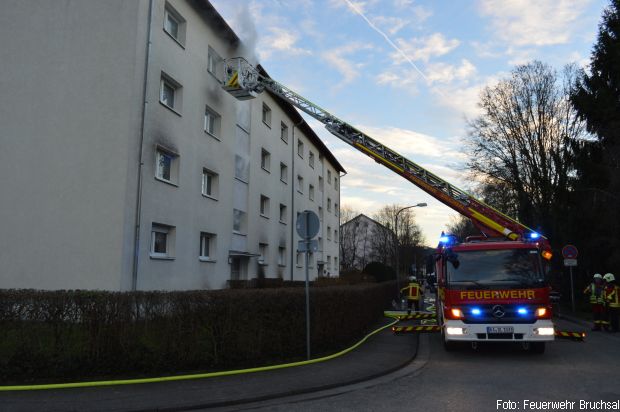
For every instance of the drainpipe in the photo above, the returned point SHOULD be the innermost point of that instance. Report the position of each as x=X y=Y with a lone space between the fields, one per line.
x=138 y=217
x=293 y=183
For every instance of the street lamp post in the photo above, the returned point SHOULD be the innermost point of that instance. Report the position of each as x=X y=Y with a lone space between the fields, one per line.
x=397 y=242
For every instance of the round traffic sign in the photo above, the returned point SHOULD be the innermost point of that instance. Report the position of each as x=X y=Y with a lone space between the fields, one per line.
x=569 y=252
x=307 y=224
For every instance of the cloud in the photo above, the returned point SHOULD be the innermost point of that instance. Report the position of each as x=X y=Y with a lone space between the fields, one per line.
x=423 y=48
x=390 y=24
x=533 y=23
x=446 y=73
x=280 y=40
x=349 y=69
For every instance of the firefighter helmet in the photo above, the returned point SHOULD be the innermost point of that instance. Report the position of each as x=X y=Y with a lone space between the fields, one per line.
x=609 y=277
x=598 y=276
x=411 y=278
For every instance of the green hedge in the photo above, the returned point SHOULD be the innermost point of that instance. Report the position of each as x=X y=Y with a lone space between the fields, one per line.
x=70 y=335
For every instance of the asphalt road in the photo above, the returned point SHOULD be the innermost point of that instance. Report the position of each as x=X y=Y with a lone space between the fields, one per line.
x=475 y=380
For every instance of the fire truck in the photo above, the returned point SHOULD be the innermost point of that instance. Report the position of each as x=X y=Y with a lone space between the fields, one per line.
x=490 y=287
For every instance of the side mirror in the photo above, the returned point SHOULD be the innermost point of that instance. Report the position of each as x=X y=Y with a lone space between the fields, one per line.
x=453 y=258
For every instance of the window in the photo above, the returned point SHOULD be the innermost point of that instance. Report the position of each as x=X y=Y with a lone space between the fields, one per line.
x=299 y=259
x=174 y=24
x=239 y=221
x=281 y=256
x=284 y=132
x=329 y=177
x=320 y=213
x=329 y=263
x=320 y=243
x=335 y=183
x=311 y=192
x=209 y=183
x=266 y=115
x=166 y=166
x=265 y=160
x=214 y=63
x=212 y=122
x=282 y=213
x=170 y=93
x=162 y=241
x=320 y=184
x=329 y=204
x=311 y=159
x=242 y=168
x=336 y=209
x=207 y=246
x=336 y=263
x=264 y=206
x=283 y=173
x=336 y=236
x=300 y=148
x=329 y=233
x=300 y=184
x=263 y=250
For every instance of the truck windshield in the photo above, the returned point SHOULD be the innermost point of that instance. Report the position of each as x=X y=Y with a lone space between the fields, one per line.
x=495 y=269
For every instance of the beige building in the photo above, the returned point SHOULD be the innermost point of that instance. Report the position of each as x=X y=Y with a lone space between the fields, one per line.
x=128 y=167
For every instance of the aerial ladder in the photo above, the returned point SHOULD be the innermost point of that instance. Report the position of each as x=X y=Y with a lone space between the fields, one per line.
x=244 y=81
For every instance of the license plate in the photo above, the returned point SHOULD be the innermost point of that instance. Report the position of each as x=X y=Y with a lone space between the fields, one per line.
x=500 y=329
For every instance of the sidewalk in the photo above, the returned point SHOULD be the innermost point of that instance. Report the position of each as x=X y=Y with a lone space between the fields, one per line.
x=380 y=355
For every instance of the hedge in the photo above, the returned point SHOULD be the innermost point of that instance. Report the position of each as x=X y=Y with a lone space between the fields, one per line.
x=72 y=335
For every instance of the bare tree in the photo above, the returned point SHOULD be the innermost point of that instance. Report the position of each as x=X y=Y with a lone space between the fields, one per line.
x=520 y=146
x=349 y=237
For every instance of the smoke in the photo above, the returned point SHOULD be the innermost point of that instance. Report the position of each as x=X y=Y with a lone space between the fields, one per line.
x=246 y=30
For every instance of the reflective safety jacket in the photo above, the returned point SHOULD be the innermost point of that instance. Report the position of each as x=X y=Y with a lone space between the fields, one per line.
x=612 y=296
x=597 y=293
x=412 y=290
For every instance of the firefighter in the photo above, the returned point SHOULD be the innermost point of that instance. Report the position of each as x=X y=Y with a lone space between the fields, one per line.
x=596 y=290
x=612 y=297
x=413 y=294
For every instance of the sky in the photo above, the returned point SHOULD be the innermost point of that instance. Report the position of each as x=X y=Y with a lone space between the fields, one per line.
x=408 y=73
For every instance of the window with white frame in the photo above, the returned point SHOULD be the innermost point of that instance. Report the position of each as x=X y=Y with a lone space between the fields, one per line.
x=328 y=265
x=212 y=123
x=335 y=183
x=329 y=177
x=282 y=256
x=166 y=166
x=284 y=132
x=329 y=204
x=300 y=184
x=239 y=221
x=336 y=236
x=266 y=115
x=214 y=63
x=311 y=192
x=311 y=159
x=320 y=184
x=263 y=250
x=174 y=24
x=300 y=148
x=207 y=246
x=283 y=173
x=282 y=213
x=162 y=241
x=265 y=160
x=210 y=182
x=170 y=93
x=329 y=233
x=336 y=209
x=264 y=206
x=299 y=259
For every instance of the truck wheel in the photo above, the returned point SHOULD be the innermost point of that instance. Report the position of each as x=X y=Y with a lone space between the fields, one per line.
x=537 y=347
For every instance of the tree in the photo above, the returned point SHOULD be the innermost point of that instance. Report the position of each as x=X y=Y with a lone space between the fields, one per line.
x=461 y=227
x=349 y=237
x=520 y=146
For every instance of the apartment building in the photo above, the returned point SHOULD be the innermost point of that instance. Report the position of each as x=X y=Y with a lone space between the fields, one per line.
x=129 y=168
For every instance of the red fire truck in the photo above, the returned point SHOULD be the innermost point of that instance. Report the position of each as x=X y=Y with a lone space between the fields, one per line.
x=490 y=288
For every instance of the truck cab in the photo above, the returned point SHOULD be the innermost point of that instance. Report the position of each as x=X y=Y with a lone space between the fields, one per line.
x=493 y=290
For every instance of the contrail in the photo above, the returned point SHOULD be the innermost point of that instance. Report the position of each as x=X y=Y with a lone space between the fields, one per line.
x=386 y=37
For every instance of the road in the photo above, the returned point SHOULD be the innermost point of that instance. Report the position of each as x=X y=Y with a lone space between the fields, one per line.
x=475 y=380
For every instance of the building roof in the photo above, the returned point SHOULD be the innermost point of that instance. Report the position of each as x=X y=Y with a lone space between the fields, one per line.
x=363 y=216
x=213 y=17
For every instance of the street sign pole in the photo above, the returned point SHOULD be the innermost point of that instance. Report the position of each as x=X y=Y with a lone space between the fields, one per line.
x=307 y=240
x=307 y=228
x=570 y=254
x=572 y=290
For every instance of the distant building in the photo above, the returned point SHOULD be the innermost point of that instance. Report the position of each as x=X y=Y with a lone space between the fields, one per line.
x=364 y=240
x=125 y=164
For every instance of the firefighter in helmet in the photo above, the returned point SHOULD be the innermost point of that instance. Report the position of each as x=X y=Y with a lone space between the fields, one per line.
x=596 y=291
x=412 y=293
x=612 y=298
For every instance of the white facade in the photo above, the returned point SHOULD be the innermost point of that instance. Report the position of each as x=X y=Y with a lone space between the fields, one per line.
x=132 y=169
x=364 y=240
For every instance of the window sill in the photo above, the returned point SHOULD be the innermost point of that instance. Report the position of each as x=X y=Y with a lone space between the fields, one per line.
x=283 y=222
x=160 y=257
x=284 y=140
x=266 y=124
x=241 y=180
x=175 y=39
x=264 y=216
x=170 y=108
x=205 y=259
x=215 y=76
x=213 y=136
x=266 y=170
x=280 y=265
x=209 y=197
x=166 y=181
x=300 y=156
x=284 y=181
x=235 y=232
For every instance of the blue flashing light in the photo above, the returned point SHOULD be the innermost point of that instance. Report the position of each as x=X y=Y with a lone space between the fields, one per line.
x=476 y=312
x=444 y=239
x=534 y=235
x=522 y=311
